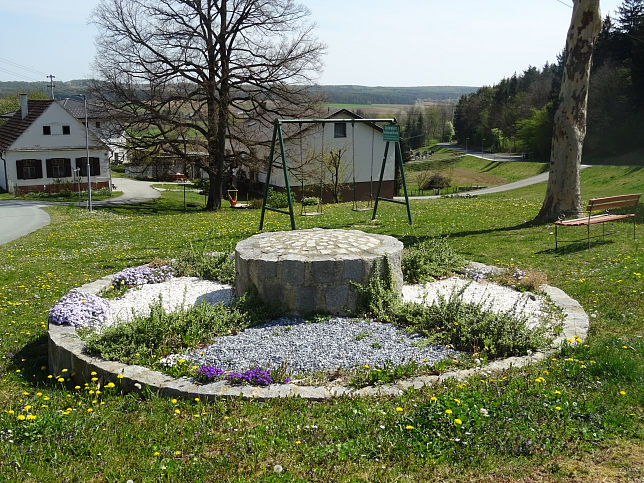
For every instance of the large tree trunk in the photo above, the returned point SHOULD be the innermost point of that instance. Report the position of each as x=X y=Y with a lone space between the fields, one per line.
x=563 y=195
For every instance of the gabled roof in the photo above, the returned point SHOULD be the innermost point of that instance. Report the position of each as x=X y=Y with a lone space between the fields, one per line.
x=77 y=108
x=15 y=126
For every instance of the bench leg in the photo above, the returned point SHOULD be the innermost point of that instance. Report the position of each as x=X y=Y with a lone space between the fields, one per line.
x=588 y=231
x=555 y=237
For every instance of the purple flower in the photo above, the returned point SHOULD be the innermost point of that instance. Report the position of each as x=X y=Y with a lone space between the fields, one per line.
x=478 y=274
x=257 y=376
x=518 y=274
x=143 y=275
x=79 y=309
x=210 y=372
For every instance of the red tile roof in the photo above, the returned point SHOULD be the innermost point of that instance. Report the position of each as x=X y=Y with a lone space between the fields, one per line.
x=15 y=126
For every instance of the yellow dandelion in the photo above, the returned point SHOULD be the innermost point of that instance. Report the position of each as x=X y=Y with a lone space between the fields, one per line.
x=156 y=453
x=433 y=399
x=399 y=409
x=409 y=426
x=458 y=421
x=173 y=401
x=89 y=410
x=448 y=411
x=120 y=376
x=558 y=408
x=177 y=453
x=298 y=442
x=623 y=393
x=21 y=417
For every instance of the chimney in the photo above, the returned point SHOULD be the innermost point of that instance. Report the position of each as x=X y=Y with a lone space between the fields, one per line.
x=24 y=109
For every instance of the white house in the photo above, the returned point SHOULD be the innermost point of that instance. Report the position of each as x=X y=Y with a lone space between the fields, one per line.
x=43 y=148
x=320 y=154
x=103 y=125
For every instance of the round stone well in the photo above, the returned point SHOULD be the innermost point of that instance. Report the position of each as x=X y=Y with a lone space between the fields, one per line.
x=309 y=271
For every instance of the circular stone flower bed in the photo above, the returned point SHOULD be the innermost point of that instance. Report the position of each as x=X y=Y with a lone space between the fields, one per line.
x=307 y=346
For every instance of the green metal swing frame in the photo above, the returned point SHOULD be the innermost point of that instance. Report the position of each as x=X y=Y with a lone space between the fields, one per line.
x=391 y=134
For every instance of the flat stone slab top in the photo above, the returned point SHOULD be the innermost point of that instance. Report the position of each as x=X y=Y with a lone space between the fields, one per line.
x=311 y=270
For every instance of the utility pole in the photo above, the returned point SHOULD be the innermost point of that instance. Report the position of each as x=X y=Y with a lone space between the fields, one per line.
x=51 y=84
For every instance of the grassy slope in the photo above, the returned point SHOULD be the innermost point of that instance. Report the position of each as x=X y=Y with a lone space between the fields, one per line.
x=470 y=170
x=597 y=429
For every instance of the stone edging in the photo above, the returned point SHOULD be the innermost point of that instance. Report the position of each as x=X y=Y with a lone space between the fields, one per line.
x=66 y=351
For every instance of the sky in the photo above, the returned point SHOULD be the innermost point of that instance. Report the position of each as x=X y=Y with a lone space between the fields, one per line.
x=369 y=42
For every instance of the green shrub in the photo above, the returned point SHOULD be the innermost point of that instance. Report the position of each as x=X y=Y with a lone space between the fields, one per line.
x=430 y=259
x=277 y=199
x=215 y=266
x=464 y=326
x=162 y=333
x=435 y=181
x=310 y=201
x=145 y=339
x=378 y=299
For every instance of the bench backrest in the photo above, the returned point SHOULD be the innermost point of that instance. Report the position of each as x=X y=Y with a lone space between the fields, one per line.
x=609 y=202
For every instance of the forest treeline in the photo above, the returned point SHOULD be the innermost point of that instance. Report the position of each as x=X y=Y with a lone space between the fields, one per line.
x=517 y=113
x=350 y=94
x=333 y=94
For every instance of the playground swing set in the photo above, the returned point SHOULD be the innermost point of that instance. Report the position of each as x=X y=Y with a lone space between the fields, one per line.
x=391 y=133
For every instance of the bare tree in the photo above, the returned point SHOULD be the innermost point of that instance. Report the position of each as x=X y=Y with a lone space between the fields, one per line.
x=563 y=194
x=337 y=168
x=182 y=72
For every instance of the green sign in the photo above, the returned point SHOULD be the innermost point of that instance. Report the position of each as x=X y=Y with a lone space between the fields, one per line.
x=390 y=132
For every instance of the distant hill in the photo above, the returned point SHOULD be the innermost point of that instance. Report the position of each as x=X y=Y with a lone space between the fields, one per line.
x=340 y=94
x=348 y=94
x=61 y=89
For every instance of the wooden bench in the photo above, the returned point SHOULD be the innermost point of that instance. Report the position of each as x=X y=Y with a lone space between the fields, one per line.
x=604 y=205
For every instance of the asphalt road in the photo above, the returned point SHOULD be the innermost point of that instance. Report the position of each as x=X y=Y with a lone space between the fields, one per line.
x=20 y=217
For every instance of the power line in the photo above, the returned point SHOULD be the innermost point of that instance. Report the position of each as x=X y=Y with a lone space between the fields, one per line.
x=563 y=3
x=23 y=67
x=16 y=74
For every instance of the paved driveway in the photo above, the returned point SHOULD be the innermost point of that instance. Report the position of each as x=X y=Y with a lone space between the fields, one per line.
x=18 y=218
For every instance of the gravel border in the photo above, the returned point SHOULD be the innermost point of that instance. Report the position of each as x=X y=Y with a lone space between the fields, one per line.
x=66 y=350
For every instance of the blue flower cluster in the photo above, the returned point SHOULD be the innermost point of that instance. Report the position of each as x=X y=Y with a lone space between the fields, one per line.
x=519 y=274
x=257 y=376
x=79 y=309
x=478 y=274
x=142 y=275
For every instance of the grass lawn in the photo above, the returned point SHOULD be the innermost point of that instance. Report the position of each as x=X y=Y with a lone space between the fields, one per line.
x=576 y=416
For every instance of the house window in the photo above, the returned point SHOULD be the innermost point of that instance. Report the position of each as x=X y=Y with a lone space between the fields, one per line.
x=94 y=166
x=117 y=158
x=339 y=130
x=98 y=124
x=66 y=130
x=29 y=168
x=46 y=130
x=59 y=167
